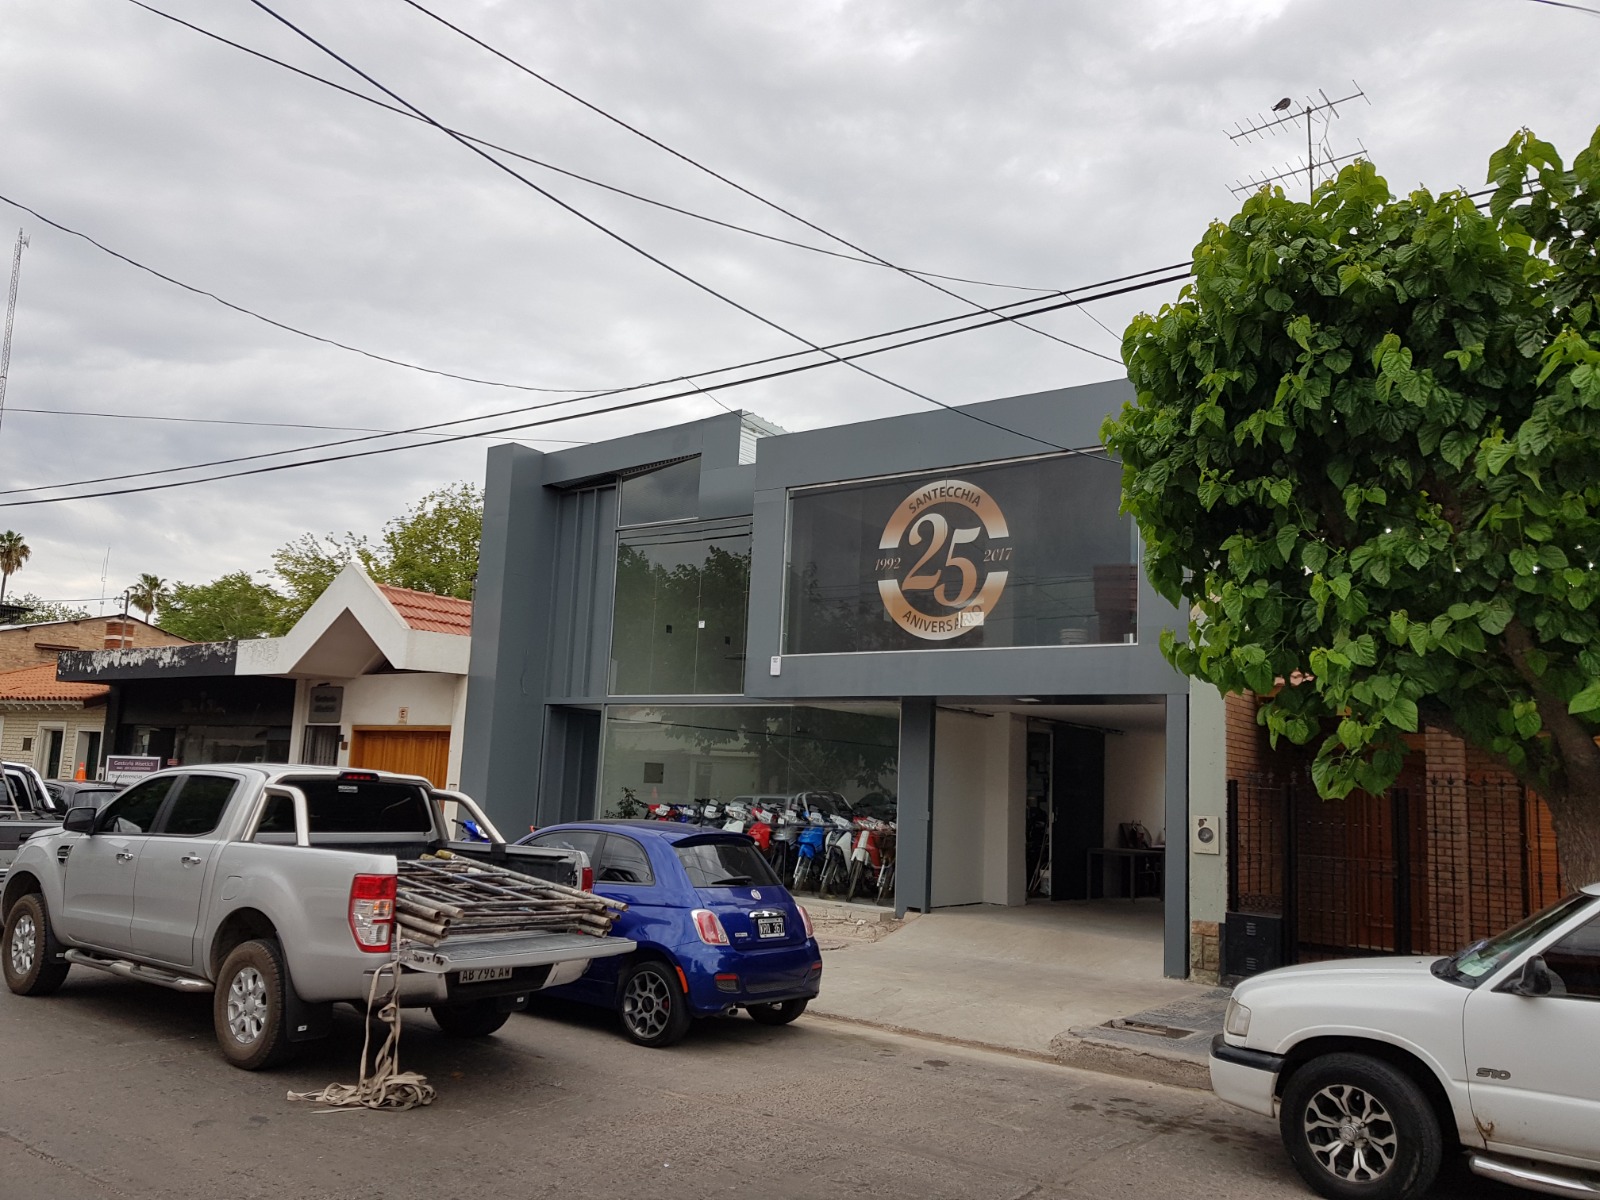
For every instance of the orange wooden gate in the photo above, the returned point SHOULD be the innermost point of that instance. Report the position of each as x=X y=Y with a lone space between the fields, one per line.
x=408 y=749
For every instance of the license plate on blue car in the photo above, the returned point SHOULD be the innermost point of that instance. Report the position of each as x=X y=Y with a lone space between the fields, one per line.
x=769 y=927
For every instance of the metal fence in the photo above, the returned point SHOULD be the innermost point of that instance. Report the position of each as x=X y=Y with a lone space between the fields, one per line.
x=1421 y=869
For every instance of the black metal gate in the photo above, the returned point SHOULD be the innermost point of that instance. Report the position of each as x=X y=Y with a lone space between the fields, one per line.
x=1419 y=869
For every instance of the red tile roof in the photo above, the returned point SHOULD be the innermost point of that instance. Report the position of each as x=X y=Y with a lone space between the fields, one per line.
x=430 y=613
x=39 y=683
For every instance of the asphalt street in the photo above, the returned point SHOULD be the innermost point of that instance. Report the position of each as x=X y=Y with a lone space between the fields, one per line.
x=112 y=1090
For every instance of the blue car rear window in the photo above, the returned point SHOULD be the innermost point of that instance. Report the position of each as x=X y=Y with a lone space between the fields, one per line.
x=725 y=864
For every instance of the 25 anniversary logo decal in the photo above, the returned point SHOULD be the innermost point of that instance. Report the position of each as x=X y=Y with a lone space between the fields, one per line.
x=939 y=560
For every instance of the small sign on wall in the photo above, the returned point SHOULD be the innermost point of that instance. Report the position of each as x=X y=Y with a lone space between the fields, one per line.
x=326 y=705
x=1206 y=837
x=405 y=717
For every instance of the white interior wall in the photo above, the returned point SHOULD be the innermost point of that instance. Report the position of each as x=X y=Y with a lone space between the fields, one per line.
x=1136 y=782
x=960 y=778
x=1005 y=770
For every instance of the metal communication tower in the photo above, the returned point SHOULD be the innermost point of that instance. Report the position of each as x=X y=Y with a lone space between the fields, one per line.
x=11 y=317
x=1310 y=112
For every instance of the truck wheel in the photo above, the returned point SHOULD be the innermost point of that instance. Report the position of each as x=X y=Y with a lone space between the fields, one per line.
x=248 y=1006
x=475 y=1019
x=655 y=1011
x=780 y=1013
x=1357 y=1128
x=23 y=954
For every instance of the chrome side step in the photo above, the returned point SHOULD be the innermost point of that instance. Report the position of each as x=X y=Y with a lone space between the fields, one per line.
x=140 y=971
x=1536 y=1177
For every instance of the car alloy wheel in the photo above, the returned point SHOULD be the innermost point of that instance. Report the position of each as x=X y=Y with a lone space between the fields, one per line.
x=24 y=945
x=647 y=1004
x=247 y=1006
x=1350 y=1133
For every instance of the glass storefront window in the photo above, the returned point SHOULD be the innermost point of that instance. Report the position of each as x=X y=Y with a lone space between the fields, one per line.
x=1028 y=553
x=843 y=760
x=666 y=494
x=678 y=618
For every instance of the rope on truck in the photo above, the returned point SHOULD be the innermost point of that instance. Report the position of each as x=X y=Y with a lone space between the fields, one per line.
x=386 y=1086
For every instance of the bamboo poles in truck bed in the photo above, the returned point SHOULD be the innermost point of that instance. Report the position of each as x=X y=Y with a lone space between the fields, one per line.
x=440 y=896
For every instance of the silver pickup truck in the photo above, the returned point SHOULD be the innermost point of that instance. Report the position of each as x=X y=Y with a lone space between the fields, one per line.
x=273 y=888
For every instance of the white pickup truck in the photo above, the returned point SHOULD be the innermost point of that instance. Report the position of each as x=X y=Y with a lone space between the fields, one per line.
x=1376 y=1067
x=273 y=888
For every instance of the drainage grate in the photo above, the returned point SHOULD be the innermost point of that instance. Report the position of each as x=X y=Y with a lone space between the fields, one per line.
x=1166 y=1031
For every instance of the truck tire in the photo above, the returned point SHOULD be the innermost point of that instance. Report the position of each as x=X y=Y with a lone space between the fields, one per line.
x=475 y=1019
x=780 y=1013
x=24 y=949
x=248 y=1006
x=655 y=1011
x=1357 y=1128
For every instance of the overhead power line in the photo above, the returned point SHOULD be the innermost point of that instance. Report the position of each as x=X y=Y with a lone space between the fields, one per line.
x=590 y=180
x=717 y=175
x=694 y=389
x=634 y=246
x=124 y=416
x=244 y=310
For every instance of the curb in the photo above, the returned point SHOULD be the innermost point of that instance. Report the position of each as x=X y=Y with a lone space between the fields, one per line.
x=1066 y=1050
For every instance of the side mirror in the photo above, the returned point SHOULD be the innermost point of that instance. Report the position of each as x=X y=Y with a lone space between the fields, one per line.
x=80 y=819
x=1533 y=980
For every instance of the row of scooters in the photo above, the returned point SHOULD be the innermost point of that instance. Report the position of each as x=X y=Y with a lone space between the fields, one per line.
x=829 y=854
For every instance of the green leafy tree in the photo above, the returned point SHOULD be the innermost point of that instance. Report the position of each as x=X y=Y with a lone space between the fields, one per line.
x=308 y=564
x=1365 y=444
x=149 y=594
x=432 y=547
x=13 y=553
x=40 y=610
x=234 y=606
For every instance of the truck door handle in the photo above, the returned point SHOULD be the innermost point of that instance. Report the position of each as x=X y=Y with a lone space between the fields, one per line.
x=191 y=860
x=124 y=855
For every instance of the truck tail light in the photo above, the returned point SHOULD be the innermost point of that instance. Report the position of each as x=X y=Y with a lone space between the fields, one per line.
x=372 y=911
x=586 y=879
x=709 y=928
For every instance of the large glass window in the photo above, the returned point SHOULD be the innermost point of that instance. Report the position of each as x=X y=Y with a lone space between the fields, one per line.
x=1029 y=553
x=669 y=493
x=678 y=620
x=843 y=759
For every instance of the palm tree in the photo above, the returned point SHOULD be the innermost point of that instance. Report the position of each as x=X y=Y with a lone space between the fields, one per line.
x=13 y=553
x=149 y=594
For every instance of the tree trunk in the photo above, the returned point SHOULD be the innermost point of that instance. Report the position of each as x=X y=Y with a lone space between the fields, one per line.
x=1575 y=814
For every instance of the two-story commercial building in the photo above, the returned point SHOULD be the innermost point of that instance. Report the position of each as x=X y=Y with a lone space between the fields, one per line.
x=939 y=617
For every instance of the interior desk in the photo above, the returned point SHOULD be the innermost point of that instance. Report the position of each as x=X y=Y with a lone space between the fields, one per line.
x=1136 y=865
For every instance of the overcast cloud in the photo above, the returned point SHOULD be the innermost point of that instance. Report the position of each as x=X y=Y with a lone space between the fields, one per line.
x=1043 y=144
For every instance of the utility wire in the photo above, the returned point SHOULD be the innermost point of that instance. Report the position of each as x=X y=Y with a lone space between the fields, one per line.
x=699 y=166
x=579 y=392
x=620 y=191
x=635 y=247
x=1593 y=12
x=695 y=389
x=122 y=416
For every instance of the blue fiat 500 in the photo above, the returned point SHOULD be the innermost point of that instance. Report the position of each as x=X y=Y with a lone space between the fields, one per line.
x=716 y=929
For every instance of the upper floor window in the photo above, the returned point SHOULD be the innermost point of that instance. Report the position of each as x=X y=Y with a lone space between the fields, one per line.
x=670 y=493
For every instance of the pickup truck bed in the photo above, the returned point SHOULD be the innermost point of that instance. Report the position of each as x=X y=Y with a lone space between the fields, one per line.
x=275 y=888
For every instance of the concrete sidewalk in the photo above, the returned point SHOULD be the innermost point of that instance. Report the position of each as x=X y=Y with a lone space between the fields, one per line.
x=1075 y=983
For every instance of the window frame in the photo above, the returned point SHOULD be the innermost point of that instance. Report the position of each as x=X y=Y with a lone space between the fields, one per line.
x=175 y=797
x=108 y=813
x=605 y=846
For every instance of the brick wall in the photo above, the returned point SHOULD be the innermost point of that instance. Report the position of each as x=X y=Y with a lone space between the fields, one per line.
x=25 y=645
x=23 y=740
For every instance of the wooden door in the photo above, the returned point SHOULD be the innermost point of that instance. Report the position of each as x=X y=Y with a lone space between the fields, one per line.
x=406 y=749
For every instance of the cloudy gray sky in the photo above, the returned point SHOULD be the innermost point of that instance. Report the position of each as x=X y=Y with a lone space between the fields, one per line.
x=1048 y=145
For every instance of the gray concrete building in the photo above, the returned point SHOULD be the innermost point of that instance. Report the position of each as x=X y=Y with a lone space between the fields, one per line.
x=937 y=619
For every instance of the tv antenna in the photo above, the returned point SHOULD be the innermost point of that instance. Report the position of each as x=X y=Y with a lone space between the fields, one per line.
x=11 y=317
x=1312 y=112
